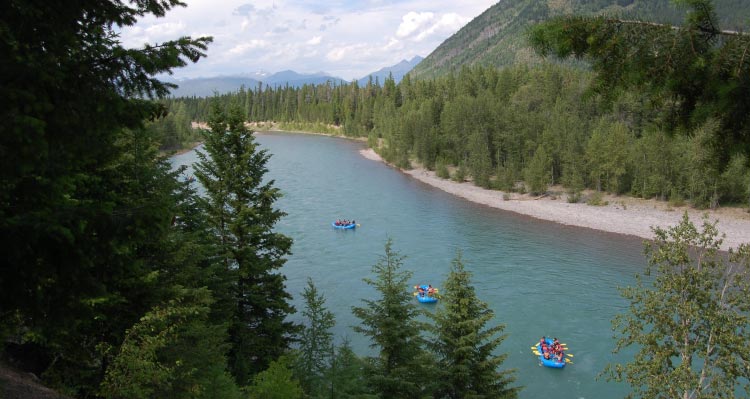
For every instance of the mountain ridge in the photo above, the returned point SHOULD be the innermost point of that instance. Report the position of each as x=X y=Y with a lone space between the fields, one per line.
x=398 y=71
x=497 y=38
x=208 y=86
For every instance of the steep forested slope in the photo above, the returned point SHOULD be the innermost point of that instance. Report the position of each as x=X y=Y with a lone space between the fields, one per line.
x=497 y=37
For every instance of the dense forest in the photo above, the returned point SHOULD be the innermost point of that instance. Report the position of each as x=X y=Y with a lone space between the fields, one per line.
x=541 y=125
x=118 y=280
x=497 y=37
x=531 y=126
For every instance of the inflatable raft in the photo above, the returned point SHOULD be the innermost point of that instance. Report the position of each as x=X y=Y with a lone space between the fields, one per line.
x=343 y=226
x=551 y=362
x=424 y=296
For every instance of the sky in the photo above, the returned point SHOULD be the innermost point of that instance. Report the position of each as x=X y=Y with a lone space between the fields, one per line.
x=345 y=39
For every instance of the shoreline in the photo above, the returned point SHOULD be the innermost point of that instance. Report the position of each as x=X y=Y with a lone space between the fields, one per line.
x=622 y=215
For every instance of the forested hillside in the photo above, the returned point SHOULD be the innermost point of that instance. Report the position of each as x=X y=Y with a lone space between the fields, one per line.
x=668 y=124
x=497 y=37
x=119 y=280
x=515 y=129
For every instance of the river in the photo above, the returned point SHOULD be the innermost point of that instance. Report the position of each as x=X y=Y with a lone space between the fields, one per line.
x=539 y=278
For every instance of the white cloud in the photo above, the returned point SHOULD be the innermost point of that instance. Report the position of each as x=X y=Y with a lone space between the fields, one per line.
x=351 y=52
x=166 y=29
x=315 y=40
x=412 y=21
x=337 y=54
x=243 y=48
x=344 y=38
x=420 y=26
x=394 y=44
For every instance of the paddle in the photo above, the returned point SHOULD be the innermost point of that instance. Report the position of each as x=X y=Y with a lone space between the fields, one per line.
x=535 y=343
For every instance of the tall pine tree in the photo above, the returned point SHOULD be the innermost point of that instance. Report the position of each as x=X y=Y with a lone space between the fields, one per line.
x=465 y=345
x=402 y=367
x=82 y=206
x=313 y=361
x=240 y=203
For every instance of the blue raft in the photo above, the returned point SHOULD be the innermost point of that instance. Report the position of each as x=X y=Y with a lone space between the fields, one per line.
x=552 y=363
x=343 y=226
x=424 y=296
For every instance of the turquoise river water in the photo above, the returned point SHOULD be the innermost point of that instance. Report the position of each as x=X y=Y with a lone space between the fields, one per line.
x=539 y=278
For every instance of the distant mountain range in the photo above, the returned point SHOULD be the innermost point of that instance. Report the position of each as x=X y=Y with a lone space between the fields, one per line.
x=206 y=87
x=497 y=37
x=398 y=71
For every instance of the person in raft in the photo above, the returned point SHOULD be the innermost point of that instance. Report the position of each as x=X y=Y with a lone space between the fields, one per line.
x=545 y=348
x=430 y=290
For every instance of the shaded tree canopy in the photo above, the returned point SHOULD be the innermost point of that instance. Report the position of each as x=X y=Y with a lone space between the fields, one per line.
x=694 y=72
x=83 y=201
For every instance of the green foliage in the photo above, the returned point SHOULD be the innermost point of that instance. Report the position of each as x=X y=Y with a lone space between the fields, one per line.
x=315 y=343
x=460 y=174
x=607 y=154
x=402 y=368
x=276 y=382
x=175 y=129
x=538 y=173
x=736 y=181
x=347 y=375
x=480 y=164
x=172 y=352
x=697 y=159
x=240 y=211
x=84 y=204
x=497 y=37
x=466 y=347
x=441 y=170
x=542 y=124
x=690 y=328
x=695 y=73
x=596 y=199
x=654 y=162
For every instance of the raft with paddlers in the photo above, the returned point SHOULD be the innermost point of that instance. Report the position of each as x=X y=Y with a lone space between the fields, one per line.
x=344 y=224
x=552 y=353
x=426 y=293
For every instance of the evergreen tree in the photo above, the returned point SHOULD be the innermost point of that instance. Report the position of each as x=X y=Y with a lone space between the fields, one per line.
x=77 y=217
x=315 y=343
x=690 y=329
x=698 y=167
x=538 y=173
x=402 y=367
x=480 y=161
x=173 y=352
x=347 y=375
x=276 y=382
x=465 y=346
x=242 y=216
x=694 y=72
